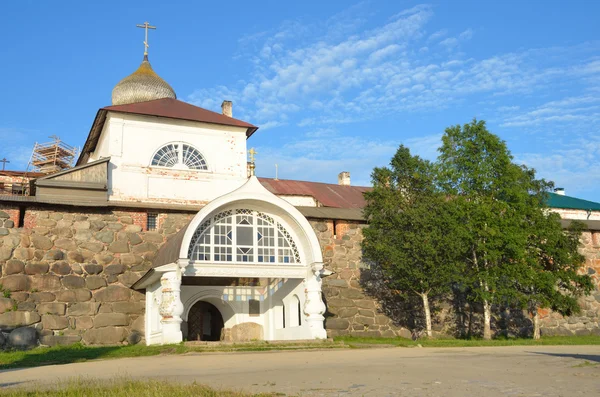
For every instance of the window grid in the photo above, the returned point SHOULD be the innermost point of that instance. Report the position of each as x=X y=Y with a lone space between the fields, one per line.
x=243 y=236
x=180 y=154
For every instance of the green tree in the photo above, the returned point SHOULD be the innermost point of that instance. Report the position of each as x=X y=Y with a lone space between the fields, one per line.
x=411 y=231
x=491 y=194
x=553 y=278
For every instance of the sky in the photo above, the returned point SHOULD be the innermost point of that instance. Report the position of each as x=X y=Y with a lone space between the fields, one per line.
x=333 y=85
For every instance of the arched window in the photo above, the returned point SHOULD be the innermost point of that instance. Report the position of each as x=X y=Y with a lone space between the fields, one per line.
x=179 y=155
x=295 y=312
x=243 y=235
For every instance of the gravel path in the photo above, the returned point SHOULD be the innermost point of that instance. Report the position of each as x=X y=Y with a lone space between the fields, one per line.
x=479 y=371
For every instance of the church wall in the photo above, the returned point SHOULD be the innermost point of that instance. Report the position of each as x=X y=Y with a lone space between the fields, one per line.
x=140 y=137
x=68 y=274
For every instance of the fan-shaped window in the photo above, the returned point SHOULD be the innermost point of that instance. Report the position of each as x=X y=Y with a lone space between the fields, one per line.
x=241 y=236
x=179 y=155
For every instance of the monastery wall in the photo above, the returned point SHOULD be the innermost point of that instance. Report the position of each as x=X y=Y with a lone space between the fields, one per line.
x=359 y=303
x=67 y=274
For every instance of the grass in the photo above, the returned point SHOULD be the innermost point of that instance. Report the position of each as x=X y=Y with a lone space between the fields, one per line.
x=79 y=353
x=450 y=342
x=122 y=387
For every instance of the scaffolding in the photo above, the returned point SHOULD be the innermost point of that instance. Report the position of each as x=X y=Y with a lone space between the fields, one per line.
x=52 y=156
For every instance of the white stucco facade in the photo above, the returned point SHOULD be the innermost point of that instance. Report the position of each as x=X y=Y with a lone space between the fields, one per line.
x=132 y=140
x=288 y=301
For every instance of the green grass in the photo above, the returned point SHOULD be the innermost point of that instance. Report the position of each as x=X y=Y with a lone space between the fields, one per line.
x=122 y=387
x=449 y=342
x=79 y=353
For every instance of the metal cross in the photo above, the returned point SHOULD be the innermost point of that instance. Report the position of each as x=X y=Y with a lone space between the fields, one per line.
x=4 y=161
x=146 y=26
x=252 y=152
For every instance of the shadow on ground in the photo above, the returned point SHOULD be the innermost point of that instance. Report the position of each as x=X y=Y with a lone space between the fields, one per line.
x=588 y=357
x=35 y=358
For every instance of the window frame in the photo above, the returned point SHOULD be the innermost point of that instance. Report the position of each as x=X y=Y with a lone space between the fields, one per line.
x=215 y=240
x=180 y=164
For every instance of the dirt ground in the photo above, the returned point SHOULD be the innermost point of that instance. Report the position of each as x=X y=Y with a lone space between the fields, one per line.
x=479 y=371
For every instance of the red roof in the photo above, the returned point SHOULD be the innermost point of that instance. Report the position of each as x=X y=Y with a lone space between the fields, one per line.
x=27 y=174
x=329 y=195
x=174 y=109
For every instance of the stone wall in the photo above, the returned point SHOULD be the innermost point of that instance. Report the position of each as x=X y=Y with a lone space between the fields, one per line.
x=351 y=309
x=588 y=321
x=68 y=276
x=359 y=303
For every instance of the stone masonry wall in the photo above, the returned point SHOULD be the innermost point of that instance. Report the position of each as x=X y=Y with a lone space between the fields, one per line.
x=350 y=310
x=358 y=303
x=68 y=274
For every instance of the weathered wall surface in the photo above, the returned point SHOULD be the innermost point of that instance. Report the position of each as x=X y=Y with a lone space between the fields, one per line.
x=350 y=309
x=588 y=321
x=359 y=303
x=68 y=274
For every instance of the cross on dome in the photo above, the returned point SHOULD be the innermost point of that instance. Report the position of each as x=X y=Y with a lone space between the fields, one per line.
x=146 y=26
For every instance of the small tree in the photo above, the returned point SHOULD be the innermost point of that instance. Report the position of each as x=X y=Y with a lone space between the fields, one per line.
x=411 y=233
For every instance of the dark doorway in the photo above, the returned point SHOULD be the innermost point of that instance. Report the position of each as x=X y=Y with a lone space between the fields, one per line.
x=204 y=322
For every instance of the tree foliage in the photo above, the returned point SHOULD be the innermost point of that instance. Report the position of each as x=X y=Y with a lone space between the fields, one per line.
x=410 y=229
x=476 y=219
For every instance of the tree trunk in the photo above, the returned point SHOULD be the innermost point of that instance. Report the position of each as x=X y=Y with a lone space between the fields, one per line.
x=536 y=323
x=425 y=298
x=487 y=319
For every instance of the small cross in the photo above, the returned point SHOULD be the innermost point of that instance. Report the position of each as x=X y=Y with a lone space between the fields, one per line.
x=4 y=161
x=146 y=26
x=252 y=152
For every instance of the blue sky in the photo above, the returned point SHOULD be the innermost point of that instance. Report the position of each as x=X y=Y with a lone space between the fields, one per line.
x=334 y=85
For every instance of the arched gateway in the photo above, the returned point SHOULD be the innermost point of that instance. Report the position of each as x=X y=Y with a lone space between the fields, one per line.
x=248 y=262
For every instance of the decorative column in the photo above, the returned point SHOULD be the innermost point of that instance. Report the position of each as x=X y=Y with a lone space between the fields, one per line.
x=171 y=307
x=314 y=308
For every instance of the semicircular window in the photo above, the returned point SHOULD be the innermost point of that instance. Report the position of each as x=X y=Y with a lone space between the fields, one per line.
x=179 y=155
x=242 y=236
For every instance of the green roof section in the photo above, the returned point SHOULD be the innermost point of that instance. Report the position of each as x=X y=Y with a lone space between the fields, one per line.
x=567 y=202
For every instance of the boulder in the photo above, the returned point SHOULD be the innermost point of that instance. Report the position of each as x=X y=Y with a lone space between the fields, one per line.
x=13 y=266
x=106 y=236
x=337 y=323
x=73 y=282
x=95 y=282
x=5 y=253
x=45 y=283
x=41 y=242
x=105 y=336
x=42 y=296
x=66 y=244
x=246 y=332
x=23 y=338
x=83 y=308
x=91 y=246
x=114 y=269
x=6 y=304
x=19 y=282
x=59 y=340
x=54 y=255
x=51 y=321
x=75 y=257
x=74 y=295
x=112 y=293
x=52 y=308
x=110 y=320
x=128 y=307
x=93 y=268
x=36 y=268
x=119 y=247
x=61 y=267
x=11 y=320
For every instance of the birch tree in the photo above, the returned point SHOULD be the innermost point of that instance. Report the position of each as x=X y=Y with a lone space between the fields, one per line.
x=411 y=234
x=476 y=170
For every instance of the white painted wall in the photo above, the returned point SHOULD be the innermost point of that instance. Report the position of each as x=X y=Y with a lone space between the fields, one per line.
x=300 y=201
x=237 y=312
x=577 y=214
x=132 y=140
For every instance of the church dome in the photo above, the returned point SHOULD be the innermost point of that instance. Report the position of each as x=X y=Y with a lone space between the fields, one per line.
x=141 y=86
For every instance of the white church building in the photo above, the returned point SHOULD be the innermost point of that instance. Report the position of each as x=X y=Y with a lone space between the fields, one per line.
x=160 y=149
